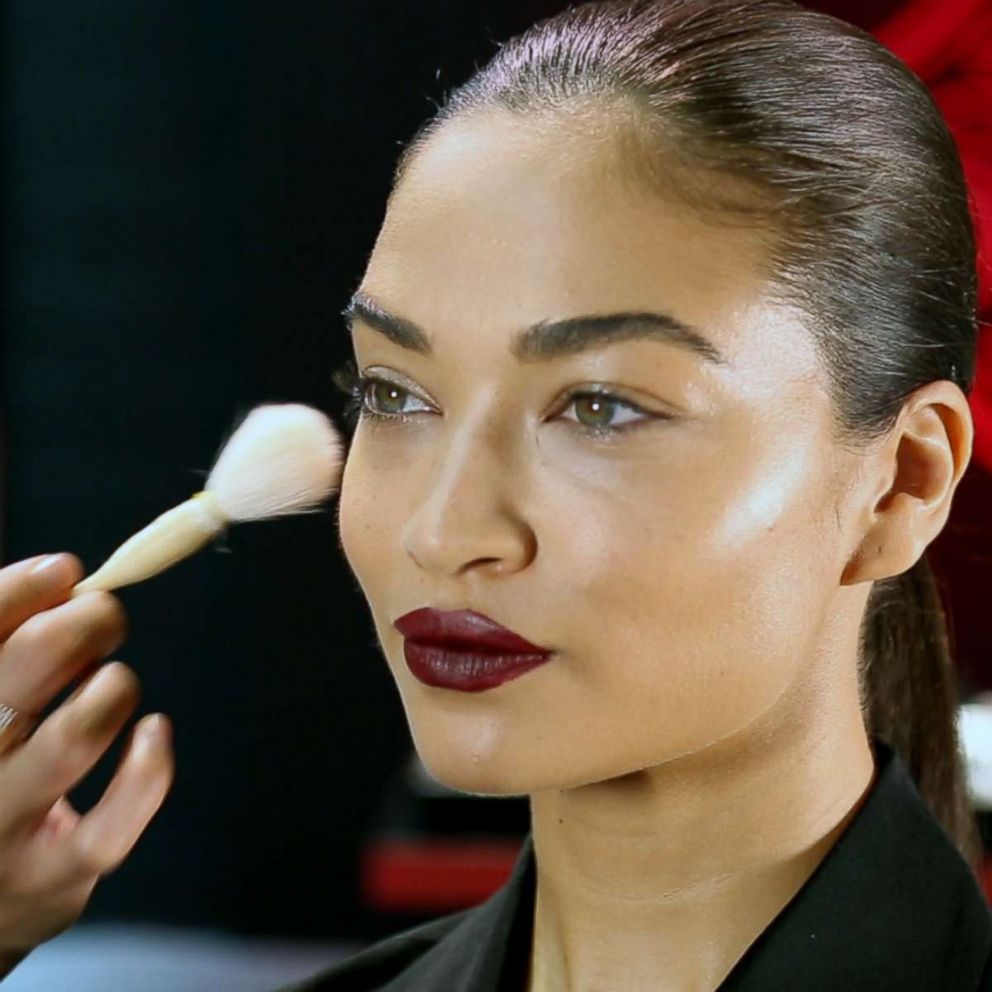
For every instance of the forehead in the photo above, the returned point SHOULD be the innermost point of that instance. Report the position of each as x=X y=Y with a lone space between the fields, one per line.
x=500 y=221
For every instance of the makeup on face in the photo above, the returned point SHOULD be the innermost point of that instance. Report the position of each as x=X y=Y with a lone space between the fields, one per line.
x=600 y=431
x=465 y=650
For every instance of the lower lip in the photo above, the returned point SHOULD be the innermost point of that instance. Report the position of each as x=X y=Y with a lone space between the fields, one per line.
x=468 y=671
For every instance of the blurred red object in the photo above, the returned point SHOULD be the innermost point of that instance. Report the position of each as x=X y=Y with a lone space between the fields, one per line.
x=433 y=874
x=985 y=876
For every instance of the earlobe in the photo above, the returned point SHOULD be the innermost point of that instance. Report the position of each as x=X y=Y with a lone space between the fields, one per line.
x=925 y=457
x=889 y=548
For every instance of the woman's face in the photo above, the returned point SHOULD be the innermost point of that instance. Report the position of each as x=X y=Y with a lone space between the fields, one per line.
x=682 y=562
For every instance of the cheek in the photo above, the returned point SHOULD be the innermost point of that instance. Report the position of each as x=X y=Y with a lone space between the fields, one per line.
x=690 y=594
x=364 y=520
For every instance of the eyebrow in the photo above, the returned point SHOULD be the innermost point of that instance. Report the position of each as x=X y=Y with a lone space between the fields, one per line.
x=548 y=339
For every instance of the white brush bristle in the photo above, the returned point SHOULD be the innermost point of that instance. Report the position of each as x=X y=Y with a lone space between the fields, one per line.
x=283 y=458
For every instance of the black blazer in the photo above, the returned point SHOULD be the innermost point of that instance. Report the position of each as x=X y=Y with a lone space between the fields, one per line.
x=892 y=907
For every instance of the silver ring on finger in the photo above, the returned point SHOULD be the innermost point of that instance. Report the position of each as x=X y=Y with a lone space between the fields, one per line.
x=15 y=726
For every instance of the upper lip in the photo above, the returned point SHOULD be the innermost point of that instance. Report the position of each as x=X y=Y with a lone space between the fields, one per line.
x=464 y=629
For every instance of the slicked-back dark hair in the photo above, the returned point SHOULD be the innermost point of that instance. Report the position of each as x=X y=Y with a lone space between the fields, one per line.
x=836 y=148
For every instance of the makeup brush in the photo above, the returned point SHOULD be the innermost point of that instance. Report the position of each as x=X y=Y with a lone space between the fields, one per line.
x=283 y=458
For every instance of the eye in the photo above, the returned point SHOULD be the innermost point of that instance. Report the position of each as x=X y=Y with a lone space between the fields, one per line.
x=388 y=399
x=598 y=411
x=604 y=416
x=371 y=398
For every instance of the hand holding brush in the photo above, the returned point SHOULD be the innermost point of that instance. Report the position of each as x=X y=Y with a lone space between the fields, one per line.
x=54 y=629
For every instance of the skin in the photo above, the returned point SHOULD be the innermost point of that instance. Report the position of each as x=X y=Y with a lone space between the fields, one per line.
x=695 y=746
x=51 y=856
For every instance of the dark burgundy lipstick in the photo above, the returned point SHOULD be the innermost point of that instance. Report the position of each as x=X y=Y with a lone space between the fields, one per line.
x=465 y=650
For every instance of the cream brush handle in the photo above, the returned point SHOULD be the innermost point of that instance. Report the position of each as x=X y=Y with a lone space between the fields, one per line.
x=169 y=538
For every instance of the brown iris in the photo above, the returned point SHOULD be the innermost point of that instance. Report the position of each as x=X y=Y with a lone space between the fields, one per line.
x=383 y=393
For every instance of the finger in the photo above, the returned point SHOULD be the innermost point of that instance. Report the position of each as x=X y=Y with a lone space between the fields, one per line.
x=106 y=834
x=51 y=648
x=59 y=822
x=66 y=745
x=38 y=860
x=35 y=584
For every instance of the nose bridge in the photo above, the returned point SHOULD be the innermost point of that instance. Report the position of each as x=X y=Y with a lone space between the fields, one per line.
x=466 y=512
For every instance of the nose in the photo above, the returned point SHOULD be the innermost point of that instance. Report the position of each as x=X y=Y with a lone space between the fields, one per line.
x=468 y=517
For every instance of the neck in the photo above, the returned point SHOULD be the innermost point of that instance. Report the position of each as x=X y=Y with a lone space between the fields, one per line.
x=661 y=879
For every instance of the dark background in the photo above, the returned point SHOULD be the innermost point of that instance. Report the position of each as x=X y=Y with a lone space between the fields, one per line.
x=190 y=192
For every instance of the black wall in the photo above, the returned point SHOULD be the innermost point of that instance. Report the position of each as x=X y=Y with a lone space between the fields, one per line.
x=190 y=192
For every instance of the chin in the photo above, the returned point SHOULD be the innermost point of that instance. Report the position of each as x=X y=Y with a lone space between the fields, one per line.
x=496 y=774
x=467 y=769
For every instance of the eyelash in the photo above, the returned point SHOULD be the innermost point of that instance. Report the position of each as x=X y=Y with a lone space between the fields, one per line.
x=349 y=381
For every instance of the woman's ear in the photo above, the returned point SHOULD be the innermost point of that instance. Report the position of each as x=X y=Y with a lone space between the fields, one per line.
x=908 y=482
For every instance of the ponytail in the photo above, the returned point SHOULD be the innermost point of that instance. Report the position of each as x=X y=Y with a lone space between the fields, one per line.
x=910 y=698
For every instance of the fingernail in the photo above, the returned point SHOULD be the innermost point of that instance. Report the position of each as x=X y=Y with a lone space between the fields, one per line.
x=53 y=569
x=154 y=730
